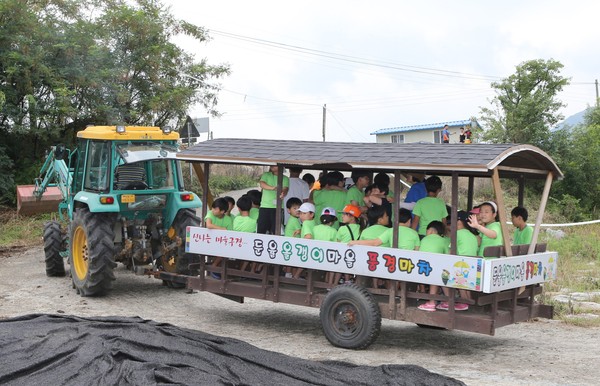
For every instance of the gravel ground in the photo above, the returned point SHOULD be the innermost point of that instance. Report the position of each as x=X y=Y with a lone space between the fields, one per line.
x=537 y=353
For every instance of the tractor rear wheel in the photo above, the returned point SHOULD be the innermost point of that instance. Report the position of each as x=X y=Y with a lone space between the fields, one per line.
x=92 y=252
x=179 y=262
x=54 y=244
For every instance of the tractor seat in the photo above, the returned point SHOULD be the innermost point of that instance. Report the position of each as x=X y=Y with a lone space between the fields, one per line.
x=130 y=177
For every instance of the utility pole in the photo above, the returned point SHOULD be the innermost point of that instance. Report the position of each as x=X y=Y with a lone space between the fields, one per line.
x=325 y=115
x=597 y=98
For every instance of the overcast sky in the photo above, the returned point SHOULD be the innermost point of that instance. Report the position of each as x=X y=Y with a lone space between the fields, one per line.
x=380 y=64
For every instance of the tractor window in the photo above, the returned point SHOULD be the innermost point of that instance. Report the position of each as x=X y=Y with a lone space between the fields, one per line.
x=97 y=166
x=162 y=176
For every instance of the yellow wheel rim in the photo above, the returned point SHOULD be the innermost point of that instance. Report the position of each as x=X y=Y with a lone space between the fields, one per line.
x=80 y=253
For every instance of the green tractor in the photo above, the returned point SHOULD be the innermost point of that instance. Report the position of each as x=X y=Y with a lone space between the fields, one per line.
x=124 y=201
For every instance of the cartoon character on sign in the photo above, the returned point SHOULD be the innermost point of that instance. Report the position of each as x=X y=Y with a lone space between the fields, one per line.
x=461 y=274
x=445 y=276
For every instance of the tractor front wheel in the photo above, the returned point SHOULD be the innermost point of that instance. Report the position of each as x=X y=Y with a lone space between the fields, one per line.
x=92 y=252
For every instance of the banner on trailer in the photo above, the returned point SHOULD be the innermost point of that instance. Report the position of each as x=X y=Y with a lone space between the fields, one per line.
x=514 y=272
x=386 y=263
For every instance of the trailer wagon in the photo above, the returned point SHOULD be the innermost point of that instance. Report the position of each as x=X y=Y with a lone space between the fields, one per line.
x=503 y=284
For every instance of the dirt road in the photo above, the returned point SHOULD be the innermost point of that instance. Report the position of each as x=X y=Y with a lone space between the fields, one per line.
x=537 y=353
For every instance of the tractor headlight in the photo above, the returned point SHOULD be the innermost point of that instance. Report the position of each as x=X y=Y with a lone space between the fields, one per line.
x=120 y=129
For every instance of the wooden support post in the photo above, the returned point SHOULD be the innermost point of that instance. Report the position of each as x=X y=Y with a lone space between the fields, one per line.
x=501 y=212
x=540 y=215
x=207 y=197
x=453 y=216
x=278 y=200
x=396 y=208
x=470 y=192
x=521 y=199
x=392 y=298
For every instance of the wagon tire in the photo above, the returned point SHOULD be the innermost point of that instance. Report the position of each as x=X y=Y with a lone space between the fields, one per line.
x=350 y=317
x=54 y=244
x=91 y=252
x=179 y=262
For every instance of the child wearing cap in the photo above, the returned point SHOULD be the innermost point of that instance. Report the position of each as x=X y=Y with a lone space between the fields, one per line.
x=325 y=231
x=350 y=229
x=293 y=226
x=306 y=213
x=351 y=226
x=523 y=232
x=430 y=208
x=487 y=225
x=433 y=242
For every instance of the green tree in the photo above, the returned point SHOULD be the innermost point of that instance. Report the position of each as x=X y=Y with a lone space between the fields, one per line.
x=577 y=152
x=62 y=69
x=525 y=106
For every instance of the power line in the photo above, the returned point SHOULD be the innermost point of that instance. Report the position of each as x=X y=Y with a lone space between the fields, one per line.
x=355 y=59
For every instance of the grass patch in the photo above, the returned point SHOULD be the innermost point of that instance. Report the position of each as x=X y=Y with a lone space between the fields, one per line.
x=16 y=231
x=579 y=259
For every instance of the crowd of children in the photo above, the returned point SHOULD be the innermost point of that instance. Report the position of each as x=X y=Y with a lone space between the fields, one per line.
x=362 y=214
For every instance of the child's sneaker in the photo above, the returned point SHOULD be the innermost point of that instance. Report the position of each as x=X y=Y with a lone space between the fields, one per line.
x=427 y=307
x=288 y=275
x=341 y=281
x=442 y=306
x=461 y=307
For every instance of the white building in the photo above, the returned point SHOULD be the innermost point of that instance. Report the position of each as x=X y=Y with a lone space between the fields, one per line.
x=430 y=133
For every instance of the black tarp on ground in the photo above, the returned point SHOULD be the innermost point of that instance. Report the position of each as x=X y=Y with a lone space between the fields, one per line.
x=56 y=349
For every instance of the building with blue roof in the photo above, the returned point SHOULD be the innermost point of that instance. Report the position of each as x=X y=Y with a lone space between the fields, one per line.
x=430 y=133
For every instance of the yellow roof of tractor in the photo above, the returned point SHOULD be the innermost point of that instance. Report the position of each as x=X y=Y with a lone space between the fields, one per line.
x=119 y=133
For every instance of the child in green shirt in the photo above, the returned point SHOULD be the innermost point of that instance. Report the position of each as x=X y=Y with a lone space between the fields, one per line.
x=350 y=229
x=433 y=242
x=523 y=232
x=488 y=226
x=215 y=219
x=243 y=222
x=430 y=208
x=293 y=226
x=306 y=213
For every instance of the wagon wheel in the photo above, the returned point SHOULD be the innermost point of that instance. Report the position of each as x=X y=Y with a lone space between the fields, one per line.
x=350 y=317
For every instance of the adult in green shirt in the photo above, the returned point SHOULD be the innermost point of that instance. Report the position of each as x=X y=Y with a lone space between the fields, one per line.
x=356 y=193
x=332 y=194
x=268 y=202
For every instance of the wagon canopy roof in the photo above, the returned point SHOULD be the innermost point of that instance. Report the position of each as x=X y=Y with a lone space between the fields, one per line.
x=511 y=160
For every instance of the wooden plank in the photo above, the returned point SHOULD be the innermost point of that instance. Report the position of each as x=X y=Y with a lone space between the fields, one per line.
x=501 y=212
